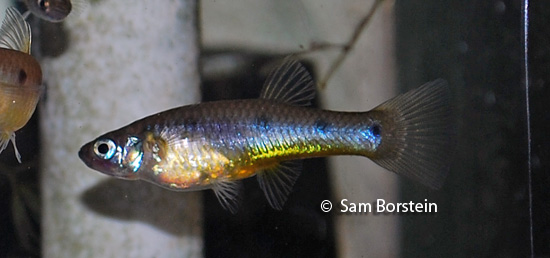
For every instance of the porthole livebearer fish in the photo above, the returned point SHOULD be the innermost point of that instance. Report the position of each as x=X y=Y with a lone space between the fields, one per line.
x=20 y=78
x=213 y=145
x=54 y=10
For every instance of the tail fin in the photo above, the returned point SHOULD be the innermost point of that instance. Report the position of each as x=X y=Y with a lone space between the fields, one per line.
x=417 y=133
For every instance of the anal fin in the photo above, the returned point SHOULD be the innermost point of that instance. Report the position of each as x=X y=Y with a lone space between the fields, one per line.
x=277 y=182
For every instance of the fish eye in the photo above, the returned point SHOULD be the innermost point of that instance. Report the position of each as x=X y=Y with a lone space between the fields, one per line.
x=44 y=4
x=104 y=148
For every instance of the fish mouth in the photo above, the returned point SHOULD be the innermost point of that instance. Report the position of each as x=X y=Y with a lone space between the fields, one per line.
x=86 y=157
x=89 y=158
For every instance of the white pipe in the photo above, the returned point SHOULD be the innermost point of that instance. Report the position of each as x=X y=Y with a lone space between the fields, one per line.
x=365 y=79
x=125 y=60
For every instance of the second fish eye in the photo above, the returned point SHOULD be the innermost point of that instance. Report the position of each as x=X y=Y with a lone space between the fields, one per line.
x=104 y=148
x=43 y=4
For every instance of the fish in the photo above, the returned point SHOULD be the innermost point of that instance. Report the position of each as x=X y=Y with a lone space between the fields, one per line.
x=214 y=145
x=20 y=78
x=53 y=10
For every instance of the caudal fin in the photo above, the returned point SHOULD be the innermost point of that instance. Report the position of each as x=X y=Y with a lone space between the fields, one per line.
x=417 y=131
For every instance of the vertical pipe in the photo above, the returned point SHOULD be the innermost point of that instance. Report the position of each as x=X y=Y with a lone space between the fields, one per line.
x=124 y=60
x=365 y=79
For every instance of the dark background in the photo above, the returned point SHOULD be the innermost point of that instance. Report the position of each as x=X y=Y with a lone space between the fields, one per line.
x=477 y=46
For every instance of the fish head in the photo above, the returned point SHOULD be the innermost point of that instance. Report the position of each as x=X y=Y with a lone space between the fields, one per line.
x=120 y=157
x=50 y=10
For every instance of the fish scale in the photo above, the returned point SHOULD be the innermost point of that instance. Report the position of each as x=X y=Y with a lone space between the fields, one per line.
x=283 y=121
x=274 y=142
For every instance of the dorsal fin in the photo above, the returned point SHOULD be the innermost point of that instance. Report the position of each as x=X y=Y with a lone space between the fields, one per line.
x=277 y=182
x=15 y=32
x=289 y=83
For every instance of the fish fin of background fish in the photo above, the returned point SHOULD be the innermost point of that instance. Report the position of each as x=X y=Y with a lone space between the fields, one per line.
x=5 y=138
x=78 y=7
x=277 y=182
x=289 y=83
x=417 y=133
x=17 y=155
x=228 y=194
x=15 y=32
x=26 y=14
